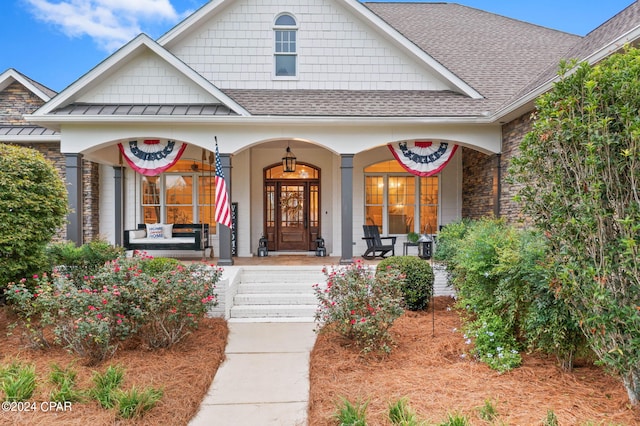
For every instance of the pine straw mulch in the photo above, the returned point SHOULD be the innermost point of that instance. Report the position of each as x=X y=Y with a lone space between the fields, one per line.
x=429 y=371
x=184 y=372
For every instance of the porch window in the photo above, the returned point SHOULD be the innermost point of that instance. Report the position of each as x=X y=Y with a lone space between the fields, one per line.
x=399 y=202
x=183 y=194
x=285 y=46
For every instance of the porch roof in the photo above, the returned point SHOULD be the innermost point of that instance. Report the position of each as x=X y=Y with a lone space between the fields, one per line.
x=360 y=103
x=145 y=109
x=26 y=131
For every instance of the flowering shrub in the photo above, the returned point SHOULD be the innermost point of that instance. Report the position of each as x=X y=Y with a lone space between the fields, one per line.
x=493 y=343
x=168 y=304
x=360 y=304
x=92 y=316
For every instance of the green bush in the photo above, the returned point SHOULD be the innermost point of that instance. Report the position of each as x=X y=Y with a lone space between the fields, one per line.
x=417 y=287
x=91 y=317
x=577 y=172
x=18 y=381
x=501 y=271
x=360 y=305
x=493 y=342
x=83 y=261
x=135 y=403
x=33 y=207
x=349 y=414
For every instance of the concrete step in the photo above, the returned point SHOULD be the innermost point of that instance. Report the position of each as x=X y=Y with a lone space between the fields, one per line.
x=275 y=287
x=273 y=311
x=279 y=275
x=274 y=299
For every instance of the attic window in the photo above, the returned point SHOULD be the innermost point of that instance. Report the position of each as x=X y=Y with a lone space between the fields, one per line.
x=285 y=46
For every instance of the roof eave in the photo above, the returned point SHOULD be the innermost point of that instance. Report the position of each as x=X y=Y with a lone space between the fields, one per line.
x=56 y=122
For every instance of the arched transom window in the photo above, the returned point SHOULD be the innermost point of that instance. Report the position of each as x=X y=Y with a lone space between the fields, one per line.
x=285 y=46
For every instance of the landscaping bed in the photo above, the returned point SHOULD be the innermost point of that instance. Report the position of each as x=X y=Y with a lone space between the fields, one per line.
x=438 y=379
x=184 y=372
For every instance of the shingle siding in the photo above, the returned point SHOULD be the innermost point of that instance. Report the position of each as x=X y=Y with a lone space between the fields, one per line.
x=336 y=50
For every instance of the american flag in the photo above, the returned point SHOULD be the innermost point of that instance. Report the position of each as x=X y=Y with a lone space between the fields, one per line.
x=223 y=209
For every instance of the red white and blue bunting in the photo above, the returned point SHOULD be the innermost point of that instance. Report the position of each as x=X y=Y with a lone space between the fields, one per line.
x=423 y=158
x=152 y=157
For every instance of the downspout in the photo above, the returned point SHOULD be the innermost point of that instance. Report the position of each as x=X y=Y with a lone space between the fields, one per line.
x=497 y=186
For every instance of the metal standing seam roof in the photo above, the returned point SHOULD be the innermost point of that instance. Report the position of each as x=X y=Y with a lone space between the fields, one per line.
x=26 y=131
x=144 y=109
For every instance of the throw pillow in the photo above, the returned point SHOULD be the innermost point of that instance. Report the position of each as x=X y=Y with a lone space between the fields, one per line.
x=155 y=231
x=167 y=230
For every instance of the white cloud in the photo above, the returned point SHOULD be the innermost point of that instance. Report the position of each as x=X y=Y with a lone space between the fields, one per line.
x=111 y=23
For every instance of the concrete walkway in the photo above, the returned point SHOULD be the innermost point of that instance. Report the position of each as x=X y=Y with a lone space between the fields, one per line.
x=264 y=380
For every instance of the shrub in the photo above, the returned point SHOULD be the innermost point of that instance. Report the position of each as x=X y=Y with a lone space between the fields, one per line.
x=578 y=175
x=349 y=414
x=18 y=381
x=134 y=403
x=105 y=386
x=33 y=207
x=167 y=305
x=92 y=316
x=83 y=261
x=493 y=343
x=64 y=381
x=417 y=287
x=499 y=270
x=361 y=305
x=449 y=240
x=401 y=414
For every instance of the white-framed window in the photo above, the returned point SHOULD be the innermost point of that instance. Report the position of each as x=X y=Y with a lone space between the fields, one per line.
x=183 y=194
x=285 y=49
x=399 y=202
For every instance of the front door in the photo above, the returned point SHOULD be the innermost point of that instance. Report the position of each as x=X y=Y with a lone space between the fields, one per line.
x=292 y=210
x=293 y=216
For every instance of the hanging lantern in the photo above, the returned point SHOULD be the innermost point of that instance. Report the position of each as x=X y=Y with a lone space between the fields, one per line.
x=289 y=161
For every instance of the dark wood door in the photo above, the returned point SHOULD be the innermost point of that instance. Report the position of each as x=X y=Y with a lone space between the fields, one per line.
x=292 y=216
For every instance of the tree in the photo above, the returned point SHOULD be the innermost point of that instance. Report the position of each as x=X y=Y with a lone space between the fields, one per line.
x=33 y=207
x=579 y=171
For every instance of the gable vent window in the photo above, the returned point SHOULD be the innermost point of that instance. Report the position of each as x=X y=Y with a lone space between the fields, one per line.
x=285 y=49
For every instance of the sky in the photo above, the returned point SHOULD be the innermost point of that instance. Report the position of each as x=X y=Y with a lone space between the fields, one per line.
x=55 y=42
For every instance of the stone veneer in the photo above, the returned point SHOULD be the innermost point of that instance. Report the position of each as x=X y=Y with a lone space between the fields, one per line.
x=478 y=172
x=16 y=100
x=480 y=177
x=512 y=134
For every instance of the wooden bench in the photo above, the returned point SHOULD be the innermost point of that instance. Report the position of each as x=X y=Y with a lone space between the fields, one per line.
x=184 y=236
x=375 y=247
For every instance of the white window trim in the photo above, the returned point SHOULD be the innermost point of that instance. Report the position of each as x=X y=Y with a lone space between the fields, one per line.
x=295 y=28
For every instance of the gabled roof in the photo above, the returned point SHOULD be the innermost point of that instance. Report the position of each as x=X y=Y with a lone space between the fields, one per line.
x=494 y=54
x=611 y=36
x=110 y=66
x=11 y=75
x=361 y=12
x=10 y=131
